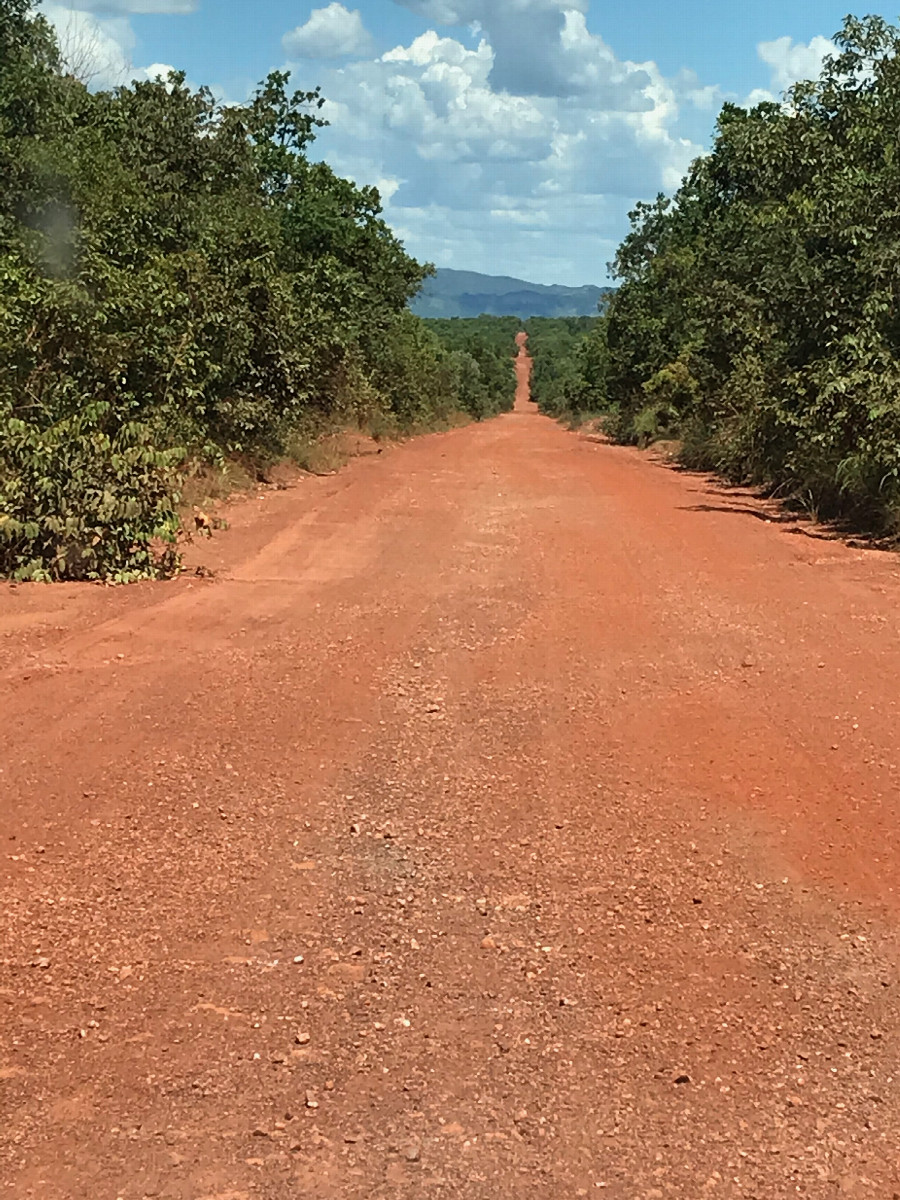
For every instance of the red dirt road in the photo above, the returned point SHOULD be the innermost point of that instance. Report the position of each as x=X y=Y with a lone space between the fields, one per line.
x=523 y=376
x=511 y=816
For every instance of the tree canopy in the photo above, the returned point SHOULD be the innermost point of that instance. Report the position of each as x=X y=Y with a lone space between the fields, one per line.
x=758 y=313
x=178 y=280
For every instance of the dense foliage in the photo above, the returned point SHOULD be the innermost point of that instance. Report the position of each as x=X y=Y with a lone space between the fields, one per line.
x=558 y=346
x=178 y=281
x=758 y=317
x=482 y=353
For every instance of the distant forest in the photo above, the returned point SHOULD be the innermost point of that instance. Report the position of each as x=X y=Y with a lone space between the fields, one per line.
x=450 y=293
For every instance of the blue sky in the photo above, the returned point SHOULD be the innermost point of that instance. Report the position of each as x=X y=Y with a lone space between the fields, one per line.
x=506 y=136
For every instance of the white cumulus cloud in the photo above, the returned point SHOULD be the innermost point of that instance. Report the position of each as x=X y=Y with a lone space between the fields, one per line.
x=789 y=63
x=543 y=48
x=98 y=49
x=332 y=32
x=526 y=143
x=792 y=61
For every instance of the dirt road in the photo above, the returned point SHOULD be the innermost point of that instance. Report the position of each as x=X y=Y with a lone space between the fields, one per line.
x=510 y=816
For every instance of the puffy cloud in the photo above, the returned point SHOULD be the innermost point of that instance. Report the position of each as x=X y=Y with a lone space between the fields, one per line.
x=154 y=71
x=496 y=159
x=544 y=48
x=332 y=32
x=703 y=97
x=789 y=62
x=97 y=50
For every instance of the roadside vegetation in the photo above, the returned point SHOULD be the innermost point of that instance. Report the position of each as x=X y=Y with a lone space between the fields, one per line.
x=181 y=285
x=558 y=346
x=483 y=350
x=757 y=319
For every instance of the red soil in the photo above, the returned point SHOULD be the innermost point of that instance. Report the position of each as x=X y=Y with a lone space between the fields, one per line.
x=568 y=775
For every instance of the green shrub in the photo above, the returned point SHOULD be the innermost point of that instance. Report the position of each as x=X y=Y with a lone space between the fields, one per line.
x=180 y=284
x=758 y=315
x=80 y=502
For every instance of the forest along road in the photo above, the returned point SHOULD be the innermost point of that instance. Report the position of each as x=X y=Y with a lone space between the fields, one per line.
x=511 y=815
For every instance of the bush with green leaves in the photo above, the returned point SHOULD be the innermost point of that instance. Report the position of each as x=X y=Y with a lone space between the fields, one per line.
x=761 y=304
x=178 y=282
x=482 y=353
x=87 y=498
x=559 y=347
x=758 y=314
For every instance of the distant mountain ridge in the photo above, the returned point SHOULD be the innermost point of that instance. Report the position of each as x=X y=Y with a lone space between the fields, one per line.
x=453 y=293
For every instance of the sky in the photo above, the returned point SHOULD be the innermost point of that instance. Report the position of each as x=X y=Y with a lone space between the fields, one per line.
x=506 y=136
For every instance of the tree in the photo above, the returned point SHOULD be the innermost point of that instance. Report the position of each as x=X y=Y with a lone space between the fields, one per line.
x=178 y=283
x=759 y=307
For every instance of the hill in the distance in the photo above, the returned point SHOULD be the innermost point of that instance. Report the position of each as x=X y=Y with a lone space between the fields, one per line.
x=469 y=294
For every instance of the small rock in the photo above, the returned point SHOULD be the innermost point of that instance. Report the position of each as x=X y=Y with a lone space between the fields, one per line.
x=488 y=943
x=312 y=1100
x=298 y=958
x=302 y=1038
x=682 y=1079
x=412 y=1152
